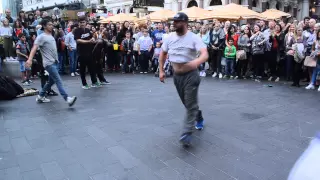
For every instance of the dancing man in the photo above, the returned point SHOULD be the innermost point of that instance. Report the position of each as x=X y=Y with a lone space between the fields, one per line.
x=182 y=48
x=48 y=49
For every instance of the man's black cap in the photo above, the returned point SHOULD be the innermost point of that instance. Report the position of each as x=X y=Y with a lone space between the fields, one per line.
x=180 y=16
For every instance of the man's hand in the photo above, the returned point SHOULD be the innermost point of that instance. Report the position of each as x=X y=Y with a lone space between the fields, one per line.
x=29 y=63
x=192 y=65
x=162 y=76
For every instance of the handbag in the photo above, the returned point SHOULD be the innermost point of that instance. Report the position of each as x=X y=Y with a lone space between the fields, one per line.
x=241 y=55
x=310 y=62
x=115 y=47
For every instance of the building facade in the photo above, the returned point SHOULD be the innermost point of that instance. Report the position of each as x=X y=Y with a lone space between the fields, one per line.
x=298 y=8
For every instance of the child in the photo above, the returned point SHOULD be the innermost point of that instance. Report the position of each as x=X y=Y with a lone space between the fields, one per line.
x=230 y=55
x=144 y=48
x=23 y=50
x=155 y=57
x=127 y=45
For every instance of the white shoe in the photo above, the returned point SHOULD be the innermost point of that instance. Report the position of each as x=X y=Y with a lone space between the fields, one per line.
x=236 y=77
x=71 y=100
x=214 y=74
x=319 y=89
x=225 y=76
x=40 y=99
x=310 y=86
x=72 y=74
x=277 y=80
x=200 y=73
x=270 y=78
x=220 y=76
x=77 y=74
x=231 y=77
x=204 y=74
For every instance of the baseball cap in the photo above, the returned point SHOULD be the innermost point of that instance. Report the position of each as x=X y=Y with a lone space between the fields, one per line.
x=180 y=16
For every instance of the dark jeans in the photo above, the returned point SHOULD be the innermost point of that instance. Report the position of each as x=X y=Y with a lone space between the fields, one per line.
x=296 y=70
x=187 y=85
x=230 y=66
x=144 y=61
x=216 y=61
x=99 y=70
x=258 y=64
x=125 y=64
x=87 y=61
x=242 y=66
x=61 y=56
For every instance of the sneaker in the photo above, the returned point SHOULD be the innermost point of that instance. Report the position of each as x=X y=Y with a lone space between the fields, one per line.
x=77 y=74
x=231 y=77
x=71 y=100
x=204 y=74
x=225 y=76
x=26 y=83
x=319 y=89
x=220 y=76
x=97 y=84
x=105 y=83
x=141 y=72
x=199 y=125
x=29 y=81
x=52 y=93
x=270 y=78
x=72 y=74
x=310 y=86
x=86 y=87
x=146 y=72
x=277 y=80
x=236 y=77
x=185 y=139
x=214 y=74
x=40 y=99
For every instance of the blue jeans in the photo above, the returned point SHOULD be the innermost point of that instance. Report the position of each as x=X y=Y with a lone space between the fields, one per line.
x=316 y=70
x=73 y=60
x=125 y=61
x=54 y=78
x=230 y=66
x=61 y=61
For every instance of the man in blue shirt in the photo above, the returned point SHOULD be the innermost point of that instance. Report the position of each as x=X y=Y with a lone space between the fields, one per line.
x=157 y=34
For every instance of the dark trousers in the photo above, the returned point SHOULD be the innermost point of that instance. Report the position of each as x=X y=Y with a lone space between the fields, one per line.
x=216 y=60
x=296 y=70
x=258 y=64
x=271 y=58
x=242 y=66
x=187 y=85
x=144 y=61
x=86 y=61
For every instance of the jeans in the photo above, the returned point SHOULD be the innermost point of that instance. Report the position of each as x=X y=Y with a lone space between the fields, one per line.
x=61 y=61
x=230 y=66
x=216 y=61
x=187 y=85
x=73 y=60
x=54 y=78
x=315 y=72
x=126 y=58
x=144 y=61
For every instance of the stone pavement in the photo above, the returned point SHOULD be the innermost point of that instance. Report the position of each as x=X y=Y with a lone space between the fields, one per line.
x=129 y=131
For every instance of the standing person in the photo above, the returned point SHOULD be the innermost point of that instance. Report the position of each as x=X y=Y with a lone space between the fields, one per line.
x=49 y=53
x=84 y=48
x=22 y=50
x=144 y=49
x=230 y=54
x=157 y=34
x=127 y=45
x=183 y=47
x=61 y=46
x=6 y=33
x=72 y=50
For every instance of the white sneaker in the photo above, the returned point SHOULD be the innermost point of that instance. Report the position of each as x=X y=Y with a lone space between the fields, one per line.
x=225 y=76
x=236 y=77
x=204 y=74
x=231 y=77
x=220 y=76
x=71 y=100
x=270 y=78
x=200 y=73
x=26 y=83
x=72 y=74
x=40 y=99
x=77 y=74
x=277 y=80
x=310 y=86
x=214 y=74
x=319 y=89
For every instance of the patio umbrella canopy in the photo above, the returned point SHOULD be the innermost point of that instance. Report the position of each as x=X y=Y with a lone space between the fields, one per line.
x=234 y=11
x=119 y=18
x=272 y=14
x=196 y=13
x=158 y=16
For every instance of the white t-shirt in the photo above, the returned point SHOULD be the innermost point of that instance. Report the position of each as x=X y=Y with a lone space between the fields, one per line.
x=182 y=49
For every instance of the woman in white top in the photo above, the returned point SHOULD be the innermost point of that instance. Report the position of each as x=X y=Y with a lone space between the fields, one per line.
x=6 y=33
